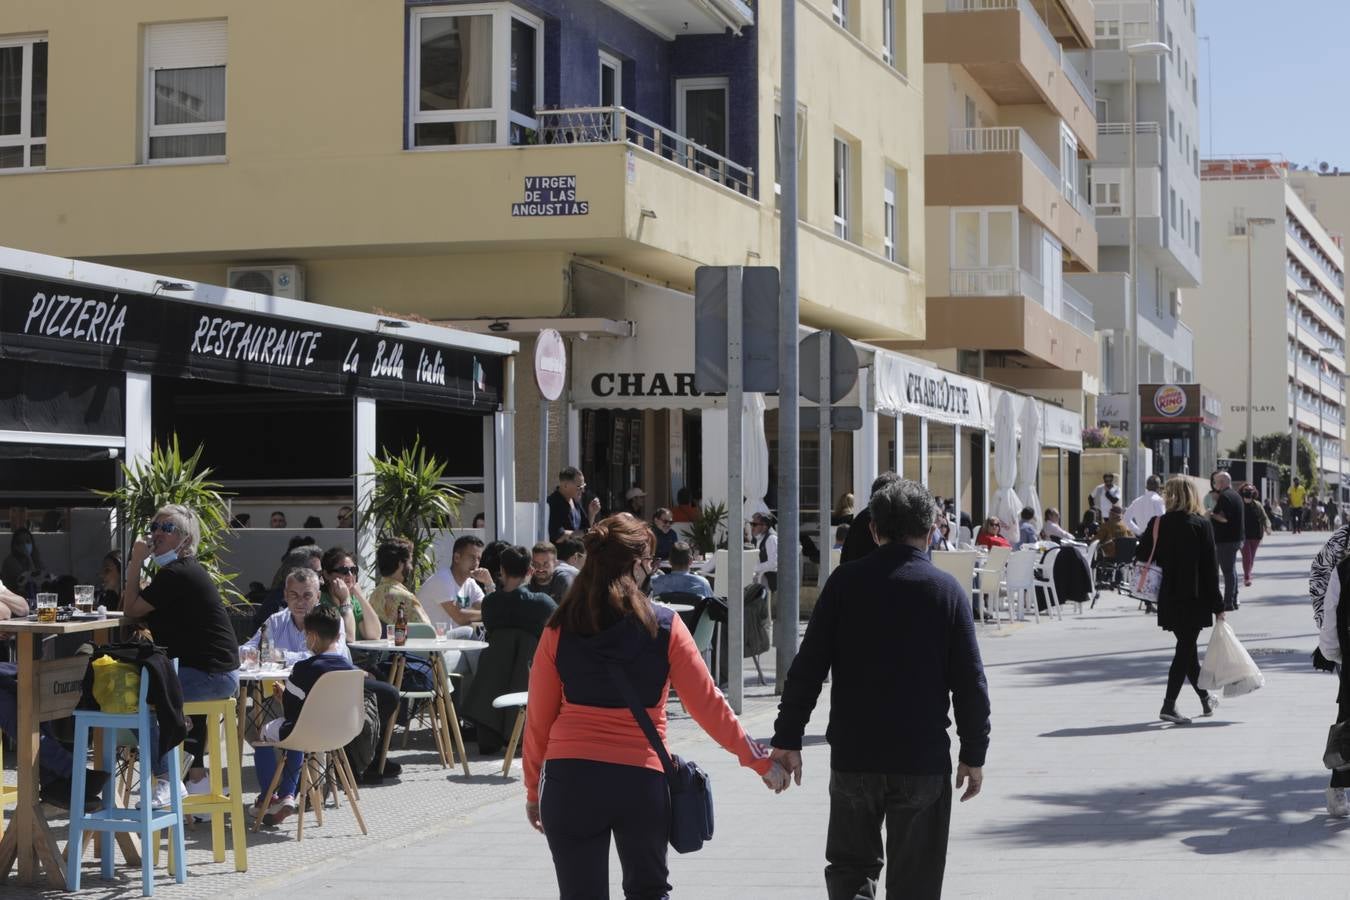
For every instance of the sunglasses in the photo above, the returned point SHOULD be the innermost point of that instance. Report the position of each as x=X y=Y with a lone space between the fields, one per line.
x=166 y=527
x=343 y=570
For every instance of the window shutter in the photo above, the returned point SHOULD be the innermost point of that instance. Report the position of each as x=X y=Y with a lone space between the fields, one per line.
x=185 y=45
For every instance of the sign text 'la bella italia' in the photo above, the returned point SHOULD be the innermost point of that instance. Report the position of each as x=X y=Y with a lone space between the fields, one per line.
x=550 y=195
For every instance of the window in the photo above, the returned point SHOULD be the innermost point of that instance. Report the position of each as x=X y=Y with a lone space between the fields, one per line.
x=1195 y=90
x=611 y=80
x=1173 y=206
x=1068 y=164
x=888 y=31
x=1171 y=124
x=185 y=91
x=1195 y=234
x=476 y=76
x=893 y=208
x=1106 y=198
x=839 y=9
x=23 y=103
x=972 y=115
x=983 y=239
x=1103 y=110
x=843 y=186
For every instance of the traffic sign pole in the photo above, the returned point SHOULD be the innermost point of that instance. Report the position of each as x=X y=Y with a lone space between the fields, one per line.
x=826 y=454
x=735 y=494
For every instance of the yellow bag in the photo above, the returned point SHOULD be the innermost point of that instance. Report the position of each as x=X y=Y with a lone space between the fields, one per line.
x=117 y=685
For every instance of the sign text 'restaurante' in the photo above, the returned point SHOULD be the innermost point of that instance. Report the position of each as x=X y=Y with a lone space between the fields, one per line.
x=551 y=195
x=937 y=394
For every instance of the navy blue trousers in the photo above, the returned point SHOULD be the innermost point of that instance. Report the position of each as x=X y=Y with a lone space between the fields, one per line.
x=583 y=802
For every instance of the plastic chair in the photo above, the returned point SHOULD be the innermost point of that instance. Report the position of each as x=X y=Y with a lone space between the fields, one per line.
x=221 y=714
x=109 y=819
x=989 y=584
x=506 y=701
x=1021 y=581
x=960 y=564
x=1045 y=580
x=330 y=718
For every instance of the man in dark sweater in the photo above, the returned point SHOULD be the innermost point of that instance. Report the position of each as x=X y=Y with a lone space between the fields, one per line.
x=859 y=541
x=1229 y=532
x=899 y=637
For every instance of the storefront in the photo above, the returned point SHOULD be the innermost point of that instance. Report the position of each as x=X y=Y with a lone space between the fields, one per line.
x=1179 y=424
x=97 y=364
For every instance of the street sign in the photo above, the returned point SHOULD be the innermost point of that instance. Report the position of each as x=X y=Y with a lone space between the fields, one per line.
x=843 y=366
x=842 y=418
x=759 y=329
x=550 y=364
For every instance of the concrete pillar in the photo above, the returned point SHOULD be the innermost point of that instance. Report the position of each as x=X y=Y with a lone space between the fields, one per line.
x=865 y=468
x=714 y=457
x=140 y=434
x=365 y=445
x=923 y=452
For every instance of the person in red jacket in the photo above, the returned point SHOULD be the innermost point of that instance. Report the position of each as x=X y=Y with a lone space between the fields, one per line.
x=589 y=769
x=989 y=535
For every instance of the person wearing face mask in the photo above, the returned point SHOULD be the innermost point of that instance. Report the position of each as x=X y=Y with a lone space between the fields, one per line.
x=182 y=607
x=22 y=570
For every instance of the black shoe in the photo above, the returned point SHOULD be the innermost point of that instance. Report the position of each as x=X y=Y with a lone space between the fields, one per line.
x=371 y=777
x=57 y=791
x=392 y=769
x=1170 y=714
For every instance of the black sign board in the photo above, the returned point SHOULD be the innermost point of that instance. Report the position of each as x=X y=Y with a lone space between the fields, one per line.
x=48 y=321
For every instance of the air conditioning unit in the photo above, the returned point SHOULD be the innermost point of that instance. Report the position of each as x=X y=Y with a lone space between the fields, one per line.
x=278 y=281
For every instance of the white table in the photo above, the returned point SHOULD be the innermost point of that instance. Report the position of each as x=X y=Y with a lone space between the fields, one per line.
x=445 y=720
x=675 y=607
x=253 y=687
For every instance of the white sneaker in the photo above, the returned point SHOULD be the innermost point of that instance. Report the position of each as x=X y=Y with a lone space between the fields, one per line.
x=161 y=797
x=200 y=786
x=1337 y=805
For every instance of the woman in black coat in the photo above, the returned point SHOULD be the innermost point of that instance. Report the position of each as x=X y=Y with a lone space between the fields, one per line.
x=1190 y=597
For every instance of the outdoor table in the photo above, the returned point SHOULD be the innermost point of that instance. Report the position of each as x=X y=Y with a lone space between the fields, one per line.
x=48 y=690
x=675 y=607
x=441 y=703
x=253 y=685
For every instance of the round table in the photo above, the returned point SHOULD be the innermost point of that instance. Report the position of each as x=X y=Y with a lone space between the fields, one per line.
x=675 y=607
x=255 y=704
x=445 y=720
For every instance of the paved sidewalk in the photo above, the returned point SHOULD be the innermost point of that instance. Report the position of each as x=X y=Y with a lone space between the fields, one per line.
x=1087 y=793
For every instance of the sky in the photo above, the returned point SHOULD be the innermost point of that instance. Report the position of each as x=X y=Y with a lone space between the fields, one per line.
x=1276 y=71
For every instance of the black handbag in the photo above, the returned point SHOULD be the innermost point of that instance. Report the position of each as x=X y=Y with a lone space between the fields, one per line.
x=1337 y=754
x=691 y=802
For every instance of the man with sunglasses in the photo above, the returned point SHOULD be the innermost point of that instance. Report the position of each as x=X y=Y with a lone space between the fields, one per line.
x=666 y=535
x=568 y=510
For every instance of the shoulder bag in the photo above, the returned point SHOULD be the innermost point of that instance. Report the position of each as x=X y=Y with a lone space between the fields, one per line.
x=691 y=803
x=1148 y=576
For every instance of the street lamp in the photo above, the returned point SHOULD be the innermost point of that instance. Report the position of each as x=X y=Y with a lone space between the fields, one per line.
x=1306 y=294
x=1321 y=433
x=1133 y=483
x=1252 y=221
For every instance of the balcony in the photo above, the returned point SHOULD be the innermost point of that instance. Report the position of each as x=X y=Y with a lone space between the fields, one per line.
x=1006 y=167
x=1077 y=310
x=1113 y=143
x=616 y=125
x=1123 y=23
x=1010 y=51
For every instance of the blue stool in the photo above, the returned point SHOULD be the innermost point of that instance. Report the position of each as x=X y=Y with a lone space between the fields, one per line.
x=144 y=821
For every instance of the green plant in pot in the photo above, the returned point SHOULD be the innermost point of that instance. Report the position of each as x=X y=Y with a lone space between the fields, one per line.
x=708 y=531
x=169 y=477
x=408 y=499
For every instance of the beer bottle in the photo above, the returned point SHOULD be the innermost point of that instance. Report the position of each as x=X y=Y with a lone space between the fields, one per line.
x=401 y=625
x=264 y=646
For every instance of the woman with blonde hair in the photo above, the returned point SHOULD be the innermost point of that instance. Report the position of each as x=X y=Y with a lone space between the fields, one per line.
x=1181 y=543
x=590 y=770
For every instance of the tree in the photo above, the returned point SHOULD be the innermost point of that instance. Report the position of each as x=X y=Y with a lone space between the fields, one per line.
x=1275 y=448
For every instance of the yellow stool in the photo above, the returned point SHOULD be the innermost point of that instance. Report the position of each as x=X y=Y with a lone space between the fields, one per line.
x=222 y=733
x=9 y=795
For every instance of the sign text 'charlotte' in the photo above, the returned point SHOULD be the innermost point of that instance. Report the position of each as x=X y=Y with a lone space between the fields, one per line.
x=937 y=394
x=550 y=195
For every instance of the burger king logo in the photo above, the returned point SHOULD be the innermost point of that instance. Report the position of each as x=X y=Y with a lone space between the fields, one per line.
x=1169 y=400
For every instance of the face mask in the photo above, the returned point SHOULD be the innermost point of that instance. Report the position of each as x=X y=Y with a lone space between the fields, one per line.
x=163 y=559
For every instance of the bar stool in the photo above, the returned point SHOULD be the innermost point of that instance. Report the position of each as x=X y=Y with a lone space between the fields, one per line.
x=222 y=743
x=144 y=821
x=507 y=701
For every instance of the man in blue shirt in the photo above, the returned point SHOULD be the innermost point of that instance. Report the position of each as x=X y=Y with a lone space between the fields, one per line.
x=680 y=580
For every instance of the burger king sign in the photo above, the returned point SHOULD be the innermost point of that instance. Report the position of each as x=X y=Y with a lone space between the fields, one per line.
x=1169 y=400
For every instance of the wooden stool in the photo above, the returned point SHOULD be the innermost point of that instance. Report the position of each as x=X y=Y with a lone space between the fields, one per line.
x=222 y=744
x=506 y=701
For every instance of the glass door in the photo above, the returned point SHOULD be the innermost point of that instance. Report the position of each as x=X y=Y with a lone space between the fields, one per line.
x=702 y=116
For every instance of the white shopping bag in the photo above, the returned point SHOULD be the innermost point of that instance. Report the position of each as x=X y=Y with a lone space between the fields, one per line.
x=1228 y=665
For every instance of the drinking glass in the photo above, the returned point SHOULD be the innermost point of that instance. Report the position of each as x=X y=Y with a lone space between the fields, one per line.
x=440 y=631
x=248 y=658
x=46 y=607
x=84 y=598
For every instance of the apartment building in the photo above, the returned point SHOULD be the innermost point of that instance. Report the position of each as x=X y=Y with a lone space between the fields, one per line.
x=1010 y=126
x=1167 y=159
x=500 y=166
x=1298 y=292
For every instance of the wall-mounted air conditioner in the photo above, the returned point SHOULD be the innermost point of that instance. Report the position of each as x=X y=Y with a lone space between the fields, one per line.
x=278 y=281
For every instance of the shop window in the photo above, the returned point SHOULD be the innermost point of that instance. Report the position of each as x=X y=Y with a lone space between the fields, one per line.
x=185 y=91
x=476 y=76
x=23 y=103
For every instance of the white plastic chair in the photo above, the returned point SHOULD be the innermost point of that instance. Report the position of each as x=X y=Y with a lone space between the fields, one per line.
x=960 y=564
x=989 y=581
x=330 y=719
x=1021 y=582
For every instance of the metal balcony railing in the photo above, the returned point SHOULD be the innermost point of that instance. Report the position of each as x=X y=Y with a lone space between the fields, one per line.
x=616 y=125
x=1078 y=310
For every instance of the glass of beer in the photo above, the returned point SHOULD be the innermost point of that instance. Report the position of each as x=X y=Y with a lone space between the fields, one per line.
x=46 y=607
x=84 y=599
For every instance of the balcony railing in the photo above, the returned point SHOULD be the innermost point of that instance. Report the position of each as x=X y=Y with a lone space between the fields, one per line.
x=997 y=281
x=1004 y=140
x=1316 y=253
x=1111 y=128
x=1076 y=78
x=616 y=125
x=1078 y=310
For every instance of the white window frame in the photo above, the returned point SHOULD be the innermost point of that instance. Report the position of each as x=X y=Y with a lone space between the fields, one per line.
x=890 y=214
x=839 y=12
x=612 y=62
x=985 y=212
x=801 y=155
x=500 y=111
x=1106 y=196
x=24 y=138
x=1068 y=163
x=152 y=130
x=888 y=32
x=842 y=186
x=682 y=88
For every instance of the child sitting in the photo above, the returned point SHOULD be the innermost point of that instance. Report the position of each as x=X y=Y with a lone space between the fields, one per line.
x=322 y=627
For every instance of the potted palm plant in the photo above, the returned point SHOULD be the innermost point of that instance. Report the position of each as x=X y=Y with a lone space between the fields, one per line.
x=708 y=530
x=408 y=498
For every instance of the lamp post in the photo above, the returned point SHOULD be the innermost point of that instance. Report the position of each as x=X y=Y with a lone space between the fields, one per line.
x=1133 y=483
x=1321 y=432
x=1305 y=294
x=1252 y=221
